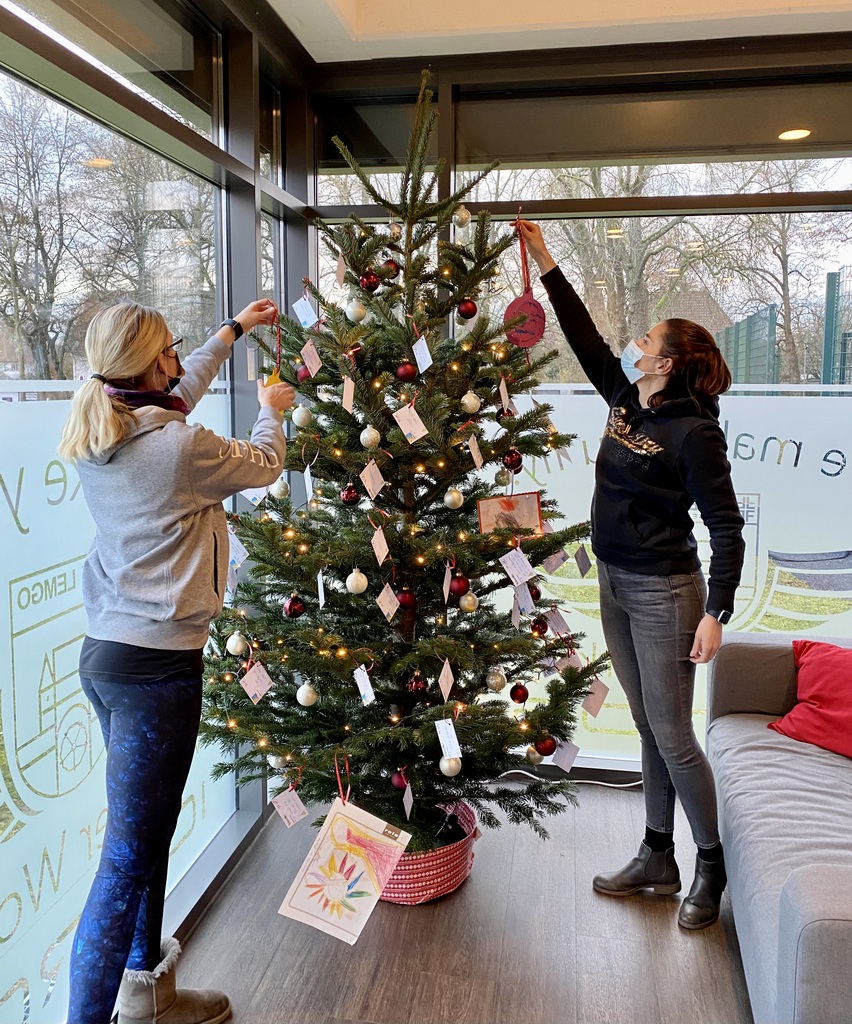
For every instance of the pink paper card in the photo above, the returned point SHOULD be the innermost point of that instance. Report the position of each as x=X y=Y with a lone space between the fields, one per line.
x=256 y=682
x=596 y=697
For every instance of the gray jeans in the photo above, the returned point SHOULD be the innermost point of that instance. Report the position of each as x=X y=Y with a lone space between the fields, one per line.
x=649 y=623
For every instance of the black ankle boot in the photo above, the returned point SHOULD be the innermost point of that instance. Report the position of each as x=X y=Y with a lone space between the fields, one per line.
x=649 y=869
x=701 y=906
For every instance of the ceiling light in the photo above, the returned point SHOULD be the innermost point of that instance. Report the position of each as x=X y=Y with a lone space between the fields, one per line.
x=614 y=232
x=794 y=133
x=102 y=162
x=600 y=282
x=695 y=245
x=673 y=271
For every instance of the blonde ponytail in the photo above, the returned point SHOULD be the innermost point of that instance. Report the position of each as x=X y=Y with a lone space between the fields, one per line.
x=122 y=345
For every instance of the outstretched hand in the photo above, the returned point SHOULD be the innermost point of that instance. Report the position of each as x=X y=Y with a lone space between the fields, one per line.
x=261 y=311
x=535 y=245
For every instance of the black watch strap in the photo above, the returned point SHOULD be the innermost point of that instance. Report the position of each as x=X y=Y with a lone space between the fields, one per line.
x=723 y=617
x=235 y=325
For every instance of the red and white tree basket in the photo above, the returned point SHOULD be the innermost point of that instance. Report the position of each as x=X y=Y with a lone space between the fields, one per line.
x=420 y=877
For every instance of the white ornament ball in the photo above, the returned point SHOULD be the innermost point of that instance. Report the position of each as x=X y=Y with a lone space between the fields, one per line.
x=454 y=498
x=533 y=755
x=276 y=761
x=356 y=582
x=356 y=311
x=280 y=489
x=471 y=403
x=302 y=416
x=468 y=602
x=496 y=679
x=450 y=766
x=370 y=437
x=461 y=217
x=306 y=695
x=236 y=644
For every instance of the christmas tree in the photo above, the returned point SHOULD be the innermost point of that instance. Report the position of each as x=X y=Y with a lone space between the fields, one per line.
x=375 y=606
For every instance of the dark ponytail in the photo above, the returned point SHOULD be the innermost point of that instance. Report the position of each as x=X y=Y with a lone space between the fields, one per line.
x=698 y=366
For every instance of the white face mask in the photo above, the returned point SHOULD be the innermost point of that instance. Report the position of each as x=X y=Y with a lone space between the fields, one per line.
x=630 y=357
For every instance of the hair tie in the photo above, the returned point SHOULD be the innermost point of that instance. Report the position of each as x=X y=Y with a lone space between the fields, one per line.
x=100 y=377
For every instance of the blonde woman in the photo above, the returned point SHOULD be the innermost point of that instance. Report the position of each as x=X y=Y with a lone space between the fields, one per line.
x=153 y=580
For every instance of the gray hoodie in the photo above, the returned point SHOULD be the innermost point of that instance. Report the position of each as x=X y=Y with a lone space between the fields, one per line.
x=156 y=573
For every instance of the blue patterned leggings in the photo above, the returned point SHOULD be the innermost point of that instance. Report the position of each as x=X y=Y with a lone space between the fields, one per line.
x=150 y=731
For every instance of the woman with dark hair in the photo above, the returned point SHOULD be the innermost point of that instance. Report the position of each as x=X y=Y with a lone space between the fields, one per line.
x=662 y=452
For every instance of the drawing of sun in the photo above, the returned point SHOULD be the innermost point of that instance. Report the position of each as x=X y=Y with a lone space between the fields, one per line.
x=334 y=886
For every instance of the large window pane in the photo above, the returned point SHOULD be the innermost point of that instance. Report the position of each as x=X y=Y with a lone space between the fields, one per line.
x=86 y=218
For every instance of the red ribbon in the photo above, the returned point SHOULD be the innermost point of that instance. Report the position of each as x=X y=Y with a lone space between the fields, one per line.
x=298 y=778
x=340 y=781
x=522 y=245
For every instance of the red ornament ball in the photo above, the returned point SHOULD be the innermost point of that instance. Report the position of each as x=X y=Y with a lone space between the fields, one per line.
x=398 y=780
x=535 y=591
x=391 y=269
x=349 y=495
x=546 y=746
x=303 y=373
x=519 y=693
x=538 y=626
x=504 y=414
x=416 y=683
x=406 y=372
x=407 y=599
x=467 y=309
x=294 y=606
x=459 y=584
x=369 y=280
x=513 y=460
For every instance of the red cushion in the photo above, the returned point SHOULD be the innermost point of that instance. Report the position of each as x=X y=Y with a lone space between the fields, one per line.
x=823 y=715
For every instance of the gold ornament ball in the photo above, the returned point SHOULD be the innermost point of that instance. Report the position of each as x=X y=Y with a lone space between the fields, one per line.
x=468 y=602
x=533 y=755
x=450 y=766
x=471 y=403
x=461 y=217
x=501 y=477
x=395 y=230
x=454 y=498
x=496 y=680
x=280 y=489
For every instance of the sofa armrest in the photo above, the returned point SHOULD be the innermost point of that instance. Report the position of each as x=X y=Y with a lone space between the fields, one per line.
x=815 y=946
x=752 y=673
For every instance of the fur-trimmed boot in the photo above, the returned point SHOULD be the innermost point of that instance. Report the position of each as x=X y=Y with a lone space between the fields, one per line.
x=150 y=997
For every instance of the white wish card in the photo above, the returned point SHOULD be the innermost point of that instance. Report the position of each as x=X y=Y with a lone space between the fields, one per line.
x=348 y=394
x=305 y=312
x=510 y=512
x=372 y=478
x=547 y=527
x=321 y=589
x=526 y=605
x=312 y=358
x=581 y=557
x=309 y=482
x=255 y=494
x=289 y=805
x=517 y=566
x=446 y=679
x=340 y=882
x=388 y=602
x=473 y=444
x=340 y=271
x=554 y=561
x=237 y=551
x=447 y=737
x=504 y=394
x=380 y=545
x=448 y=578
x=597 y=694
x=422 y=355
x=408 y=800
x=571 y=660
x=256 y=682
x=365 y=687
x=410 y=423
x=565 y=755
x=556 y=621
x=516 y=613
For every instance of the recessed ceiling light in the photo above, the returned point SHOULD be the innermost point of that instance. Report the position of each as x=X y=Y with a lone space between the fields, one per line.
x=615 y=232
x=673 y=271
x=98 y=161
x=794 y=133
x=600 y=282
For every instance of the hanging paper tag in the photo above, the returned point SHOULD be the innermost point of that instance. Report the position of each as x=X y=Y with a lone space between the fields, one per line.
x=447 y=737
x=516 y=613
x=448 y=576
x=289 y=805
x=256 y=682
x=273 y=378
x=410 y=423
x=504 y=394
x=565 y=755
x=305 y=312
x=340 y=271
x=388 y=602
x=372 y=478
x=237 y=551
x=231 y=582
x=473 y=444
x=581 y=557
x=571 y=660
x=312 y=358
x=365 y=687
x=524 y=599
x=422 y=354
x=321 y=589
x=380 y=545
x=348 y=394
x=548 y=664
x=556 y=621
x=547 y=526
x=596 y=697
x=517 y=566
x=407 y=801
x=309 y=483
x=446 y=679
x=554 y=561
x=254 y=494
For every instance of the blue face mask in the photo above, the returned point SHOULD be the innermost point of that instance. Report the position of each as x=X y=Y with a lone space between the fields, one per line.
x=629 y=358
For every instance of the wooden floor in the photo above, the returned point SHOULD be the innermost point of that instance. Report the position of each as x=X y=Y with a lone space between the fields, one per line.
x=524 y=941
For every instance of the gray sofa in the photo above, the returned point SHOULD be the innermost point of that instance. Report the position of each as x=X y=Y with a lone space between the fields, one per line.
x=786 y=818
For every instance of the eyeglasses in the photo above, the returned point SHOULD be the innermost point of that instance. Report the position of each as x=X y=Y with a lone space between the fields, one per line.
x=175 y=345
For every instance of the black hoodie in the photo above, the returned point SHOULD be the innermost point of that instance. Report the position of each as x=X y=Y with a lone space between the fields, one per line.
x=652 y=467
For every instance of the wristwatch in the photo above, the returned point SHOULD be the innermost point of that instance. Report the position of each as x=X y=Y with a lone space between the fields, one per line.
x=235 y=325
x=723 y=617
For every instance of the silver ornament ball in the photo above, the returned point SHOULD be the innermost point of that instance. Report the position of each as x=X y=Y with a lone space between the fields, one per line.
x=471 y=402
x=461 y=217
x=450 y=766
x=302 y=416
x=306 y=695
x=370 y=437
x=276 y=761
x=495 y=680
x=533 y=755
x=356 y=582
x=454 y=498
x=468 y=602
x=236 y=644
